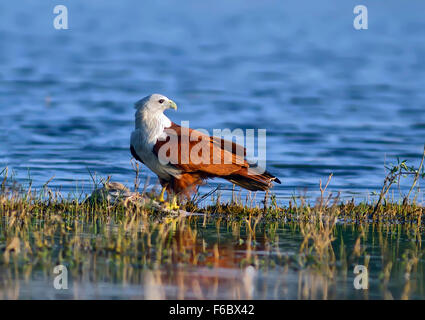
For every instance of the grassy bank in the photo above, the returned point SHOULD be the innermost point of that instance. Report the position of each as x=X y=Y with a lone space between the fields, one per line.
x=116 y=235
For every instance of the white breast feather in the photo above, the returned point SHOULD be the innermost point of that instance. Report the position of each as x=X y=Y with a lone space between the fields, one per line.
x=149 y=128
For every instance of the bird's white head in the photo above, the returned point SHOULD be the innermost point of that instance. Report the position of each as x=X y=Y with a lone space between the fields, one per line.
x=155 y=103
x=150 y=112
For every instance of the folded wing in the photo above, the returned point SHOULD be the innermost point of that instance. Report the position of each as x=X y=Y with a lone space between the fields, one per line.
x=200 y=156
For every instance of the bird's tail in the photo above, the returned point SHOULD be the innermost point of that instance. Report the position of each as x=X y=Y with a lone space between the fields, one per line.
x=252 y=182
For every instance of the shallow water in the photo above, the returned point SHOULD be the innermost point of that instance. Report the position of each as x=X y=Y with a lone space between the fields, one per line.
x=332 y=99
x=225 y=262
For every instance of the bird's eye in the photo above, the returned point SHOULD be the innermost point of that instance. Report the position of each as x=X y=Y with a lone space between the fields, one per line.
x=161 y=101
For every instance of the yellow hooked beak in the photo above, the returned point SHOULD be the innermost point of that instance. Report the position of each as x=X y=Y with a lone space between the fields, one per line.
x=172 y=105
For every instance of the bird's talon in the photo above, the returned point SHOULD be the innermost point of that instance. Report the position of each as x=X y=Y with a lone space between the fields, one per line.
x=171 y=206
x=175 y=207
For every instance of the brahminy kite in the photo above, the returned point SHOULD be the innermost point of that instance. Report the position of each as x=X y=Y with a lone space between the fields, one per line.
x=169 y=150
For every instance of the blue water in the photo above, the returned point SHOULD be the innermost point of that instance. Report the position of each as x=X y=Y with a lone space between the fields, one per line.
x=333 y=99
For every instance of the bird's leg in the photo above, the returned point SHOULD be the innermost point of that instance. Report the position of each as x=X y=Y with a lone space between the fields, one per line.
x=161 y=195
x=174 y=205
